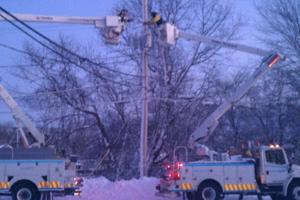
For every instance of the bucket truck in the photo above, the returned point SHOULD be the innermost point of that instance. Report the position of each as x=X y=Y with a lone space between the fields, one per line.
x=268 y=173
x=36 y=172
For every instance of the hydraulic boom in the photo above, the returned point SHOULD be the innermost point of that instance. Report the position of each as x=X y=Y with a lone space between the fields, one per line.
x=21 y=117
x=170 y=34
x=113 y=26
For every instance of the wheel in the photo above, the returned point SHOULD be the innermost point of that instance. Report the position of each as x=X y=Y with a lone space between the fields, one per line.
x=209 y=191
x=294 y=191
x=25 y=191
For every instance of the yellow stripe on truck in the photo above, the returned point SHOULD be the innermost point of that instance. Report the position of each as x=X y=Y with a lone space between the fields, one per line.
x=186 y=186
x=4 y=185
x=240 y=187
x=50 y=184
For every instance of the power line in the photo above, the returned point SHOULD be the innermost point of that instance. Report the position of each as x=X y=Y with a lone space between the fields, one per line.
x=81 y=58
x=26 y=53
x=51 y=28
x=112 y=59
x=16 y=66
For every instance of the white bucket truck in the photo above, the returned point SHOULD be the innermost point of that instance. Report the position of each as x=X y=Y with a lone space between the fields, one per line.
x=269 y=173
x=34 y=171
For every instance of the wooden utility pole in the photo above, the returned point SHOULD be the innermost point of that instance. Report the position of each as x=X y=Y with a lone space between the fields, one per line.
x=144 y=121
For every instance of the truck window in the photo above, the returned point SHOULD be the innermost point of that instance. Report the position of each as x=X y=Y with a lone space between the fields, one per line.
x=275 y=156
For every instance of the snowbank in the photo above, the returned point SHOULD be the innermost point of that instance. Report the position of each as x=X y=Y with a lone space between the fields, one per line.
x=135 y=189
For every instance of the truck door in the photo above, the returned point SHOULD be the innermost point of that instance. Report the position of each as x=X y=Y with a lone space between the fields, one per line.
x=276 y=166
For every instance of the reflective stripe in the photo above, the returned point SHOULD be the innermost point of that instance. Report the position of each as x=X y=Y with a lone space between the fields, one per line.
x=240 y=187
x=248 y=187
x=235 y=187
x=4 y=185
x=186 y=186
x=226 y=187
x=51 y=184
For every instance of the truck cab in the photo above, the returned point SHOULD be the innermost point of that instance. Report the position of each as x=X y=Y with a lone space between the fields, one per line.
x=278 y=177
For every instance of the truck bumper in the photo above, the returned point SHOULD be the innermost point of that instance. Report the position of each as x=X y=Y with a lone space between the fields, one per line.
x=168 y=195
x=72 y=191
x=163 y=191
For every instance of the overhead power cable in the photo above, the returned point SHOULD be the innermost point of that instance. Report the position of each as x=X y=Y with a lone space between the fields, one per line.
x=112 y=59
x=81 y=58
x=49 y=48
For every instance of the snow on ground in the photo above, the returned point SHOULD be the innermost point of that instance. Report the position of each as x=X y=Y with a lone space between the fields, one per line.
x=135 y=189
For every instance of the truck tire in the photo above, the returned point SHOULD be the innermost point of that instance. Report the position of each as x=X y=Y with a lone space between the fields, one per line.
x=294 y=191
x=209 y=191
x=25 y=191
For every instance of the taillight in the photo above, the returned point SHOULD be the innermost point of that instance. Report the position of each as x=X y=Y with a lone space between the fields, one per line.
x=78 y=181
x=273 y=60
x=175 y=175
x=179 y=165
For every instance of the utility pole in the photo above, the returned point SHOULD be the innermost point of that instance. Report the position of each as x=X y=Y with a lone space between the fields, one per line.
x=144 y=120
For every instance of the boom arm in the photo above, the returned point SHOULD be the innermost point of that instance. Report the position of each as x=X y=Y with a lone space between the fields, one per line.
x=96 y=21
x=204 y=131
x=170 y=34
x=21 y=117
x=113 y=26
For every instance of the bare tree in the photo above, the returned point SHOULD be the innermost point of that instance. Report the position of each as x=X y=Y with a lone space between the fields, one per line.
x=281 y=22
x=186 y=70
x=93 y=106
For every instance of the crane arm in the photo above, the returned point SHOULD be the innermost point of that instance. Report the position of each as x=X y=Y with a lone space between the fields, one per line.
x=21 y=117
x=113 y=26
x=170 y=34
x=229 y=45
x=204 y=131
x=109 y=21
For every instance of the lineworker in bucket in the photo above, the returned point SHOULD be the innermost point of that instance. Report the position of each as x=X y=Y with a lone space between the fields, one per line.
x=112 y=35
x=124 y=15
x=156 y=19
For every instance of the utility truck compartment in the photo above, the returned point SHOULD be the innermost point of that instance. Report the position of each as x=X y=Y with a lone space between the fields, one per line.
x=233 y=177
x=7 y=153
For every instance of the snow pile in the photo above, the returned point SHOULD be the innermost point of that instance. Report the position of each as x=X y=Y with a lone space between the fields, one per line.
x=135 y=189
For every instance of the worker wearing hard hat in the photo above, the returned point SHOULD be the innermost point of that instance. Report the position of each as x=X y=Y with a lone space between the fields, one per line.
x=156 y=19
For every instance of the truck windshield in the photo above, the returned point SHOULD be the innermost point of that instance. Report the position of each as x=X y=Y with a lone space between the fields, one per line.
x=275 y=156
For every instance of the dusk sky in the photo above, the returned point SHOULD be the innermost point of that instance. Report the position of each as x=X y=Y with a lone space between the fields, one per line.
x=12 y=37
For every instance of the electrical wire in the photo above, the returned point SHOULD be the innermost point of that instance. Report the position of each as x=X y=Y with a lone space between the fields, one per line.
x=48 y=29
x=112 y=59
x=17 y=66
x=81 y=58
x=26 y=53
